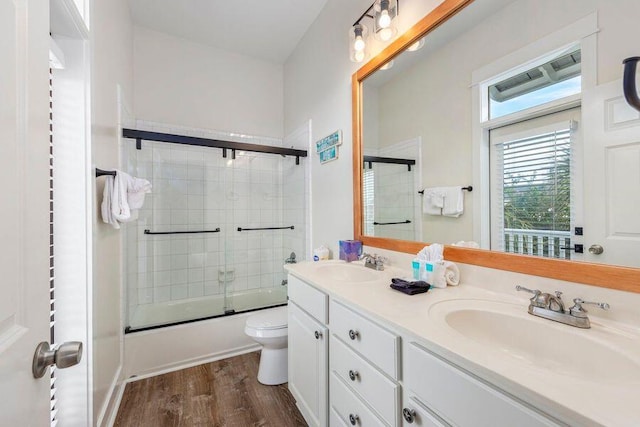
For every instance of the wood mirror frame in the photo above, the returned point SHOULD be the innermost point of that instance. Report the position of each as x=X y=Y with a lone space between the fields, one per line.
x=602 y=275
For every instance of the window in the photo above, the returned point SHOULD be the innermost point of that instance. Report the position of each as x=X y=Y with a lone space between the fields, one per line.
x=368 y=201
x=533 y=162
x=553 y=80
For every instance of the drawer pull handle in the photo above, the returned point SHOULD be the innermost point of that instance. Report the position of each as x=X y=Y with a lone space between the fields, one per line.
x=409 y=415
x=353 y=334
x=318 y=335
x=353 y=419
x=353 y=375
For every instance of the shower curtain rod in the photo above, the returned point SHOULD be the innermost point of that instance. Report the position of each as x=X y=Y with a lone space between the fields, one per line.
x=139 y=135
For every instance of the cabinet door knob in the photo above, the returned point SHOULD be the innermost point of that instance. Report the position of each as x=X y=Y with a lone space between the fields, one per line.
x=353 y=375
x=353 y=334
x=409 y=415
x=318 y=334
x=353 y=419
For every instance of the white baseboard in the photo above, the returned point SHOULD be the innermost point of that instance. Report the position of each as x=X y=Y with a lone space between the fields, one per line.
x=112 y=401
x=195 y=362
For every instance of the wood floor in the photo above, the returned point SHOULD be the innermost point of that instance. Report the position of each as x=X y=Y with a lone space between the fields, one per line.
x=225 y=393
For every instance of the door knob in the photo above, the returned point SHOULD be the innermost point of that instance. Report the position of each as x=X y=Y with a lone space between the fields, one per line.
x=409 y=415
x=596 y=249
x=67 y=354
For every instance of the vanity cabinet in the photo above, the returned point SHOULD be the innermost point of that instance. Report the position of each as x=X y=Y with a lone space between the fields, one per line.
x=364 y=365
x=347 y=369
x=308 y=351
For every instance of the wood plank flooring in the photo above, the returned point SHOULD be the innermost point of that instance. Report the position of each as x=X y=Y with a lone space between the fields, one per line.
x=225 y=393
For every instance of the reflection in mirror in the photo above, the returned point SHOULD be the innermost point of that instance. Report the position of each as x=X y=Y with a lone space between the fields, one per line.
x=495 y=98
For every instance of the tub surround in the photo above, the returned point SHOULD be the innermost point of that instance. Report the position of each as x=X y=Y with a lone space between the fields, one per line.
x=601 y=395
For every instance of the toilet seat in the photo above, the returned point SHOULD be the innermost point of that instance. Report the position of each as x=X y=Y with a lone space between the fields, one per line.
x=268 y=321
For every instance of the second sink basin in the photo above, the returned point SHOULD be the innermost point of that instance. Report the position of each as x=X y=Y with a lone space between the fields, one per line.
x=352 y=273
x=539 y=343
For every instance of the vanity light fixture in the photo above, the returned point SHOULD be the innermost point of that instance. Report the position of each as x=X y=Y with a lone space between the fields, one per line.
x=383 y=13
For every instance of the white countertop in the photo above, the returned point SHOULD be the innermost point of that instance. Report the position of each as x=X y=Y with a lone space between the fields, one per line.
x=611 y=400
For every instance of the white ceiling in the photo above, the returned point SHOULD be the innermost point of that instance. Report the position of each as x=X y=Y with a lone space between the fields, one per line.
x=264 y=29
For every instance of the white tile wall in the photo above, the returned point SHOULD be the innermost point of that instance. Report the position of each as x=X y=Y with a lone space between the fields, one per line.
x=195 y=188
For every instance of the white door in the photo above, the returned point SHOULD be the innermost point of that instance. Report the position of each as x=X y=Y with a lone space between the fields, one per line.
x=24 y=208
x=611 y=176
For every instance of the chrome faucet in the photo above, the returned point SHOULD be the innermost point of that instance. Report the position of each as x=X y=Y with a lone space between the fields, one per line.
x=551 y=307
x=374 y=261
x=291 y=259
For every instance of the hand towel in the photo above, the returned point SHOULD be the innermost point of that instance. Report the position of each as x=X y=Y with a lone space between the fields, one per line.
x=451 y=273
x=453 y=201
x=122 y=197
x=107 y=216
x=433 y=201
x=445 y=273
x=432 y=253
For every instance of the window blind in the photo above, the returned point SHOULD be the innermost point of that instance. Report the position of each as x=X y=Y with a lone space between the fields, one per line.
x=368 y=192
x=532 y=188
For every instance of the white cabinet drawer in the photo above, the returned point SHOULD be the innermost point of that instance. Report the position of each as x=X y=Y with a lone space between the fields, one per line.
x=349 y=409
x=418 y=415
x=374 y=342
x=375 y=388
x=308 y=298
x=461 y=399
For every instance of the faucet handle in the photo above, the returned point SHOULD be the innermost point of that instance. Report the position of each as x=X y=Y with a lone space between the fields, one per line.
x=558 y=294
x=578 y=311
x=535 y=292
x=539 y=299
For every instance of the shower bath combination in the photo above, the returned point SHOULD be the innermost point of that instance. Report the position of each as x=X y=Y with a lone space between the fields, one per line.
x=213 y=237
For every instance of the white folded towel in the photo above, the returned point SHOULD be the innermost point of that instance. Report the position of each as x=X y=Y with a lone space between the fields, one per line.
x=445 y=273
x=432 y=253
x=105 y=208
x=433 y=201
x=122 y=197
x=453 y=201
x=451 y=273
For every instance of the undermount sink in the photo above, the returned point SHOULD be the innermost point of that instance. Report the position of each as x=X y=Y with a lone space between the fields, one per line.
x=353 y=273
x=539 y=343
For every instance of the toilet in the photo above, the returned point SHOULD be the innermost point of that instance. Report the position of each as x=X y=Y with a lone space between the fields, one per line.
x=270 y=330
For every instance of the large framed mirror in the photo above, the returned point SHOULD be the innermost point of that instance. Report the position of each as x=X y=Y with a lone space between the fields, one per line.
x=499 y=128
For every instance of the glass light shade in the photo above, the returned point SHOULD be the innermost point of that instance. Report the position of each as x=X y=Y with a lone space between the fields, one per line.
x=387 y=65
x=416 y=46
x=358 y=42
x=384 y=19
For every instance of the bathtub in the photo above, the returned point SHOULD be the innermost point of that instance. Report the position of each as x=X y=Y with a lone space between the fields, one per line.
x=152 y=316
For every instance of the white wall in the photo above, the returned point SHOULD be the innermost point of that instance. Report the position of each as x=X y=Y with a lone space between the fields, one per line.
x=317 y=86
x=185 y=83
x=111 y=65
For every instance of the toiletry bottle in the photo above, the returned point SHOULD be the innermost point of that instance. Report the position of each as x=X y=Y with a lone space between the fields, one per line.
x=415 y=265
x=321 y=253
x=427 y=273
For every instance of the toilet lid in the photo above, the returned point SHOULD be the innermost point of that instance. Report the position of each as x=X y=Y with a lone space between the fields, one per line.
x=271 y=320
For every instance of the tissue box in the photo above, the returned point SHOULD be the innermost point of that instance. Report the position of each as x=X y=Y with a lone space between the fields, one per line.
x=350 y=250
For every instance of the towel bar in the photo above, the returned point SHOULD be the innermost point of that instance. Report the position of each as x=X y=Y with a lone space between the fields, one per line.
x=469 y=188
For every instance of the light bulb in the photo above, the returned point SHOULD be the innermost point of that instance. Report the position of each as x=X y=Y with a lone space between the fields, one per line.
x=359 y=56
x=385 y=20
x=358 y=44
x=385 y=34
